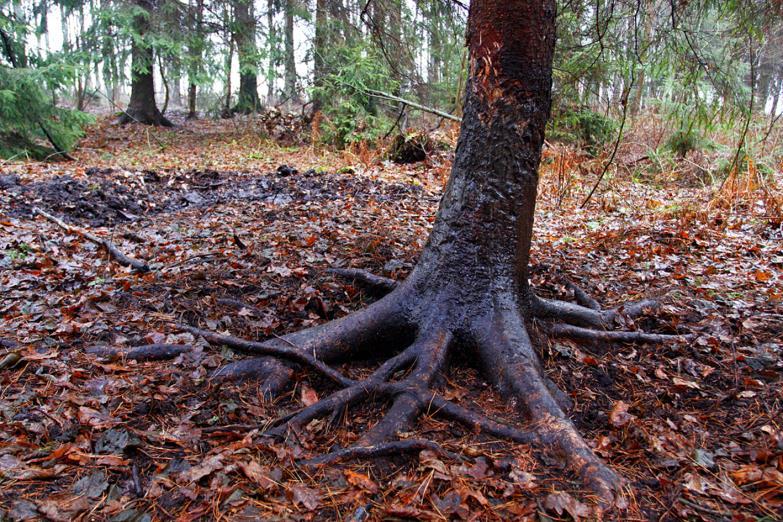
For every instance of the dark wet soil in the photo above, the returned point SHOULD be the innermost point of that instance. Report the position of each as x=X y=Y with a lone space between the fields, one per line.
x=109 y=196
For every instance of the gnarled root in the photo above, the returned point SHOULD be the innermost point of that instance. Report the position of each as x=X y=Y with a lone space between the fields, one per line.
x=587 y=321
x=494 y=327
x=509 y=360
x=587 y=334
x=273 y=375
x=376 y=285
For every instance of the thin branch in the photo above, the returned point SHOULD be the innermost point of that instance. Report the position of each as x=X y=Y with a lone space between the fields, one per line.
x=617 y=141
x=110 y=247
x=391 y=97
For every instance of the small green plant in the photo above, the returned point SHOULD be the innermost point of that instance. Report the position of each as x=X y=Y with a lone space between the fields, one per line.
x=584 y=127
x=29 y=119
x=19 y=253
x=686 y=140
x=352 y=114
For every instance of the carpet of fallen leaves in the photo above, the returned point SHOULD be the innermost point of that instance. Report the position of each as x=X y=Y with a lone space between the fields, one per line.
x=239 y=232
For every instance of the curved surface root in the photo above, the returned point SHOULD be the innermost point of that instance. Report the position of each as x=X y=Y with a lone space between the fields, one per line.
x=587 y=334
x=375 y=284
x=385 y=449
x=494 y=327
x=271 y=372
x=510 y=361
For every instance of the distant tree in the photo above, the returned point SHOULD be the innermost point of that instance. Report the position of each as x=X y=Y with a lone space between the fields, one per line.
x=196 y=46
x=142 y=107
x=273 y=53
x=289 y=90
x=245 y=38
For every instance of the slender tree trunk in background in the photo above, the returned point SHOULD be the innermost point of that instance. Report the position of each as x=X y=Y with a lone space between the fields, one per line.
x=226 y=113
x=20 y=48
x=228 y=60
x=460 y=92
x=777 y=86
x=322 y=29
x=195 y=49
x=271 y=71
x=166 y=88
x=434 y=64
x=638 y=92
x=82 y=80
x=64 y=12
x=339 y=26
x=107 y=51
x=45 y=26
x=142 y=107
x=386 y=27
x=290 y=59
x=245 y=38
x=175 y=83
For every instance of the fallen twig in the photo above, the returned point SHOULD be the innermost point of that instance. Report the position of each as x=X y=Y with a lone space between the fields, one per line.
x=110 y=247
x=148 y=352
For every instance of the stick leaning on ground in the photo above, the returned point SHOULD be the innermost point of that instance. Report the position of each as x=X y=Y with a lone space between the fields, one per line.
x=110 y=247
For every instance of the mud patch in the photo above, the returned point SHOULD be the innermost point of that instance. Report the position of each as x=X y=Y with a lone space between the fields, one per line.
x=104 y=197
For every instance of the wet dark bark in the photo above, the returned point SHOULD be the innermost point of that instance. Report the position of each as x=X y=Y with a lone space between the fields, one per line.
x=469 y=292
x=142 y=107
x=192 y=112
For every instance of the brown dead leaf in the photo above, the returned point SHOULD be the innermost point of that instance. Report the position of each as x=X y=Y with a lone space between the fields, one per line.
x=111 y=460
x=259 y=475
x=685 y=383
x=360 y=480
x=561 y=502
x=209 y=466
x=309 y=396
x=619 y=415
x=306 y=496
x=762 y=276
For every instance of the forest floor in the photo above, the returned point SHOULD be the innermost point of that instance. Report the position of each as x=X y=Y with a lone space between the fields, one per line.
x=239 y=230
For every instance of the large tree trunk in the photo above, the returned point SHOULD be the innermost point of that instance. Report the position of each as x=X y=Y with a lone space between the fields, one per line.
x=470 y=292
x=142 y=107
x=245 y=37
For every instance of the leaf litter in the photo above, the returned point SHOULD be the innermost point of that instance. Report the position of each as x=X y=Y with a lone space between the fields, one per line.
x=239 y=232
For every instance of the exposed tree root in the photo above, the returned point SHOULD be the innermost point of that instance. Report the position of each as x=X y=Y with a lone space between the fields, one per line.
x=149 y=352
x=586 y=334
x=376 y=285
x=495 y=329
x=290 y=352
x=146 y=117
x=385 y=449
x=582 y=297
x=271 y=372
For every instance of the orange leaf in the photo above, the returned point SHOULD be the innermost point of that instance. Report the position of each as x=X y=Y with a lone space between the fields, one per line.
x=309 y=396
